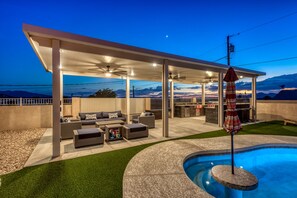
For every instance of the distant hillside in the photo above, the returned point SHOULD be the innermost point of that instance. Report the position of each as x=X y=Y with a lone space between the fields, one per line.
x=262 y=95
x=274 y=83
x=4 y=96
x=286 y=95
x=22 y=94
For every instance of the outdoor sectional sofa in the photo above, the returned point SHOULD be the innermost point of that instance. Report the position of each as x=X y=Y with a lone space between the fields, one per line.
x=100 y=116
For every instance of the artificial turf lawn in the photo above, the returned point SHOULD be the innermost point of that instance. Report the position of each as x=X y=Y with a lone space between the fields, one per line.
x=99 y=175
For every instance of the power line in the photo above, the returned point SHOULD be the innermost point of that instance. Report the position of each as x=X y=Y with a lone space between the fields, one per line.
x=220 y=59
x=266 y=23
x=267 y=43
x=269 y=61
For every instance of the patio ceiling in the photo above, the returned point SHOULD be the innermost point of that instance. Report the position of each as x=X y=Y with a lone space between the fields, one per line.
x=85 y=56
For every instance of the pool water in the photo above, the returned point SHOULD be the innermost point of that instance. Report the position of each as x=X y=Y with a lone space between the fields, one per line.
x=275 y=168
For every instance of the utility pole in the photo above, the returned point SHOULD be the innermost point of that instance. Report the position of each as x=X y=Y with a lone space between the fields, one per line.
x=230 y=48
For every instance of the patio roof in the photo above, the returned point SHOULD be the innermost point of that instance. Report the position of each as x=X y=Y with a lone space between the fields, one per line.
x=86 y=56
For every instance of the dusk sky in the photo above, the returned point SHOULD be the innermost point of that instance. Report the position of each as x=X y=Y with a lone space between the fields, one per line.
x=195 y=29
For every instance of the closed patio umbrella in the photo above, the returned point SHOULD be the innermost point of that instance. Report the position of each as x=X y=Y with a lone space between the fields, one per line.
x=232 y=123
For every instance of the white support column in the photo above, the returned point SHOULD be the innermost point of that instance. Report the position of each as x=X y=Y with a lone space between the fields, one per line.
x=128 y=99
x=221 y=101
x=172 y=99
x=254 y=98
x=61 y=94
x=203 y=93
x=56 y=97
x=165 y=98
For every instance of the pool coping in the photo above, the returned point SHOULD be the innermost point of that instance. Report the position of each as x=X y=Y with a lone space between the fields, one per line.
x=239 y=150
x=158 y=170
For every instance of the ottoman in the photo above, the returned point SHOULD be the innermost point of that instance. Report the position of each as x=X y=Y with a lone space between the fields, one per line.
x=87 y=137
x=131 y=131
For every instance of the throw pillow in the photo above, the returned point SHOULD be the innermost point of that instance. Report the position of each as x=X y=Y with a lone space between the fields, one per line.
x=91 y=117
x=113 y=115
x=142 y=114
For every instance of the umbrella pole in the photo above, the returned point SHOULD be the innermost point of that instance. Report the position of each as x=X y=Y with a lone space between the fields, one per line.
x=232 y=152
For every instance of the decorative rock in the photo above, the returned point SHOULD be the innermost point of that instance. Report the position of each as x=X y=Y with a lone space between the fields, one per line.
x=240 y=180
x=16 y=147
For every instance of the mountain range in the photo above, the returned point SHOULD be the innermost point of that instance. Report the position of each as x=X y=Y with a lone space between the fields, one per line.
x=268 y=88
x=22 y=94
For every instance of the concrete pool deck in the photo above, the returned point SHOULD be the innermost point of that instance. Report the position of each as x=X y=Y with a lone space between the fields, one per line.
x=157 y=171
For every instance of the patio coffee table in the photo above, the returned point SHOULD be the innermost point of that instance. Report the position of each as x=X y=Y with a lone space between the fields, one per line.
x=103 y=124
x=113 y=132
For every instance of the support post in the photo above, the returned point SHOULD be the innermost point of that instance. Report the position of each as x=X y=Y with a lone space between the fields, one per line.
x=61 y=94
x=254 y=98
x=128 y=99
x=165 y=98
x=172 y=99
x=232 y=152
x=203 y=94
x=221 y=101
x=56 y=78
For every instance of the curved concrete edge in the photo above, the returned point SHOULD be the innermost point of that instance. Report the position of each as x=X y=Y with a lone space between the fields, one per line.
x=240 y=180
x=158 y=171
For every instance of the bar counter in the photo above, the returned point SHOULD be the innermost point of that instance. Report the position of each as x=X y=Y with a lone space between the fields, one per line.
x=211 y=112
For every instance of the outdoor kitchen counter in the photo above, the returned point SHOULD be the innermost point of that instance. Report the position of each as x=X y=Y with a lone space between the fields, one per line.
x=185 y=110
x=158 y=171
x=243 y=110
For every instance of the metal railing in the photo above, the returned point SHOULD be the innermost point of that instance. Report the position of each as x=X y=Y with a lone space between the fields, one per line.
x=30 y=101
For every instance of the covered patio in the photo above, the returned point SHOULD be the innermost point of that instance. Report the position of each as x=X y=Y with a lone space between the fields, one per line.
x=70 y=54
x=179 y=127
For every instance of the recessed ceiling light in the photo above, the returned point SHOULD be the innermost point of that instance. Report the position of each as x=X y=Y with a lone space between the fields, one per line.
x=107 y=59
x=209 y=73
x=240 y=76
x=154 y=64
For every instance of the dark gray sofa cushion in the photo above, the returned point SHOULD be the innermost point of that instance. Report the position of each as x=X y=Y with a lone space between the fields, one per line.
x=92 y=122
x=88 y=122
x=136 y=127
x=88 y=133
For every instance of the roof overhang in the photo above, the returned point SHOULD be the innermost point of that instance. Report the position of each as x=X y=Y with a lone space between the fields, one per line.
x=86 y=56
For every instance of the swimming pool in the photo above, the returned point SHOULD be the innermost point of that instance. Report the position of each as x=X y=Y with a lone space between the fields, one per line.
x=275 y=168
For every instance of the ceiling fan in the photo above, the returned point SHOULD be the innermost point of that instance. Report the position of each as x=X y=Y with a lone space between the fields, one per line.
x=209 y=80
x=172 y=77
x=109 y=70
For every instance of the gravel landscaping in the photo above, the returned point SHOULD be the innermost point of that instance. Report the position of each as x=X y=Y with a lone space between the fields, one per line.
x=16 y=147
